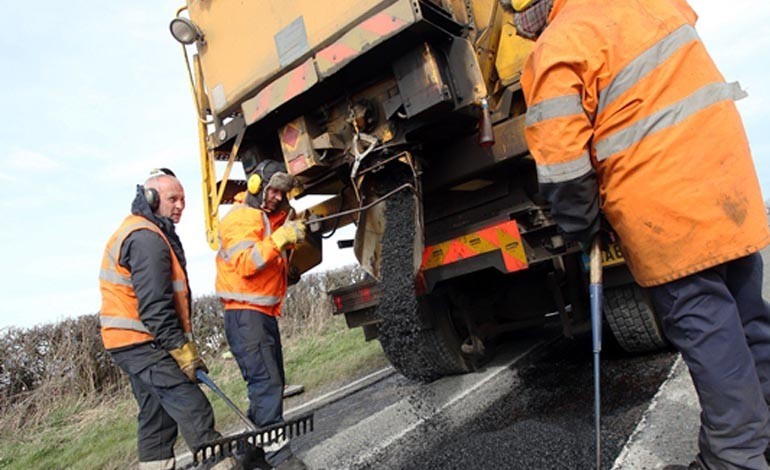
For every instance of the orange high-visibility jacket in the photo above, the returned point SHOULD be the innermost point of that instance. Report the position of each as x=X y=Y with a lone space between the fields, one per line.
x=119 y=316
x=628 y=90
x=251 y=271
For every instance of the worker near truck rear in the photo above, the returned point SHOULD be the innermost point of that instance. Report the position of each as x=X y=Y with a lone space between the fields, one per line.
x=627 y=113
x=251 y=281
x=146 y=323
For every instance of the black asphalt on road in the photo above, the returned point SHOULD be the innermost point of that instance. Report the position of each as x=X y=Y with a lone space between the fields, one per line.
x=546 y=420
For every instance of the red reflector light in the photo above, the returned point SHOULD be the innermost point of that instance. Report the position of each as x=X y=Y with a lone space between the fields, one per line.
x=366 y=294
x=337 y=302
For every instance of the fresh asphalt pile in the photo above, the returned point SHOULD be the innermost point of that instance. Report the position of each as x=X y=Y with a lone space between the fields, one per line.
x=398 y=308
x=546 y=420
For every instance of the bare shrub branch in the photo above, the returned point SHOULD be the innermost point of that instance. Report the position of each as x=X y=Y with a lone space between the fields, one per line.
x=46 y=364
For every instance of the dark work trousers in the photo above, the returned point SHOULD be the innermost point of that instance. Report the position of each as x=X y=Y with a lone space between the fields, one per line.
x=256 y=344
x=719 y=322
x=167 y=401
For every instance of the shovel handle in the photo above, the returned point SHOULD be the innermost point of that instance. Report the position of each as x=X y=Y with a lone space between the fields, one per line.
x=596 y=261
x=597 y=294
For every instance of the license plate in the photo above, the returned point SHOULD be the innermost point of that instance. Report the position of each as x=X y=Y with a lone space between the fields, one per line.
x=612 y=255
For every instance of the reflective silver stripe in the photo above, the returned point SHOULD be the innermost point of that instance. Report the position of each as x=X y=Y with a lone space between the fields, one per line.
x=115 y=251
x=123 y=324
x=267 y=300
x=257 y=259
x=553 y=108
x=667 y=117
x=222 y=253
x=646 y=62
x=242 y=245
x=268 y=228
x=560 y=172
x=114 y=278
x=179 y=286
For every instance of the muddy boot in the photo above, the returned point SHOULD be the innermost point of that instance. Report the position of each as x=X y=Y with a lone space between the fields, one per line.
x=292 y=463
x=252 y=458
x=228 y=463
x=163 y=464
x=291 y=390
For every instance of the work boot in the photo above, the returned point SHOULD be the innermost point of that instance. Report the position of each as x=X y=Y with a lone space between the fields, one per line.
x=292 y=463
x=228 y=463
x=291 y=390
x=252 y=458
x=162 y=464
x=694 y=465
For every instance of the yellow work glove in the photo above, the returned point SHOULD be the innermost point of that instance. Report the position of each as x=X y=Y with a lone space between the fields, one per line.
x=188 y=359
x=290 y=233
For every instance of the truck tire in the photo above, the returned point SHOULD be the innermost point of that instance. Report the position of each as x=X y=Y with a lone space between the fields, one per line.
x=632 y=320
x=416 y=334
x=431 y=353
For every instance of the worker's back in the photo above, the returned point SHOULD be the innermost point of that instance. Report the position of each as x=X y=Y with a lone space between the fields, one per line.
x=676 y=176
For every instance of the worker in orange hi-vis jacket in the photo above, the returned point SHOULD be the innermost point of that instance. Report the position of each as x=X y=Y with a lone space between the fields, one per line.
x=252 y=277
x=146 y=324
x=628 y=116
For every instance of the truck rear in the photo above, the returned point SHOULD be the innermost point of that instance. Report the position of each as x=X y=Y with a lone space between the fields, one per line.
x=408 y=115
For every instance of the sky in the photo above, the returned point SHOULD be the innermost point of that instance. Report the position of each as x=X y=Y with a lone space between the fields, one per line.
x=96 y=96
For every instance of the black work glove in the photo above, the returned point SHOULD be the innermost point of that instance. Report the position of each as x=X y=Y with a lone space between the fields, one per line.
x=600 y=227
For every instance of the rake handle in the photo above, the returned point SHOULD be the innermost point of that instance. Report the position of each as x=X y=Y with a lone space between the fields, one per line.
x=204 y=378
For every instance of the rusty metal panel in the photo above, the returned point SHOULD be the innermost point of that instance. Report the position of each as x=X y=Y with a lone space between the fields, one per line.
x=250 y=43
x=367 y=34
x=286 y=87
x=466 y=72
x=297 y=147
x=421 y=84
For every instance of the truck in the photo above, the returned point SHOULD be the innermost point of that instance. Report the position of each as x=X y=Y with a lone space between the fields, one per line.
x=408 y=117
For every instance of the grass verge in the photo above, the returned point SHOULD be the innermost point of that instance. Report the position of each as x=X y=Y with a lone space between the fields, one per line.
x=100 y=433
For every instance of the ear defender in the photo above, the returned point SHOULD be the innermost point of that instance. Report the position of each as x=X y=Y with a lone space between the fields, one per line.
x=254 y=184
x=151 y=194
x=153 y=198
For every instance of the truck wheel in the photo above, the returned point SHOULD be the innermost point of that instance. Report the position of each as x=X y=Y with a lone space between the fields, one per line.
x=632 y=319
x=417 y=334
x=428 y=354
